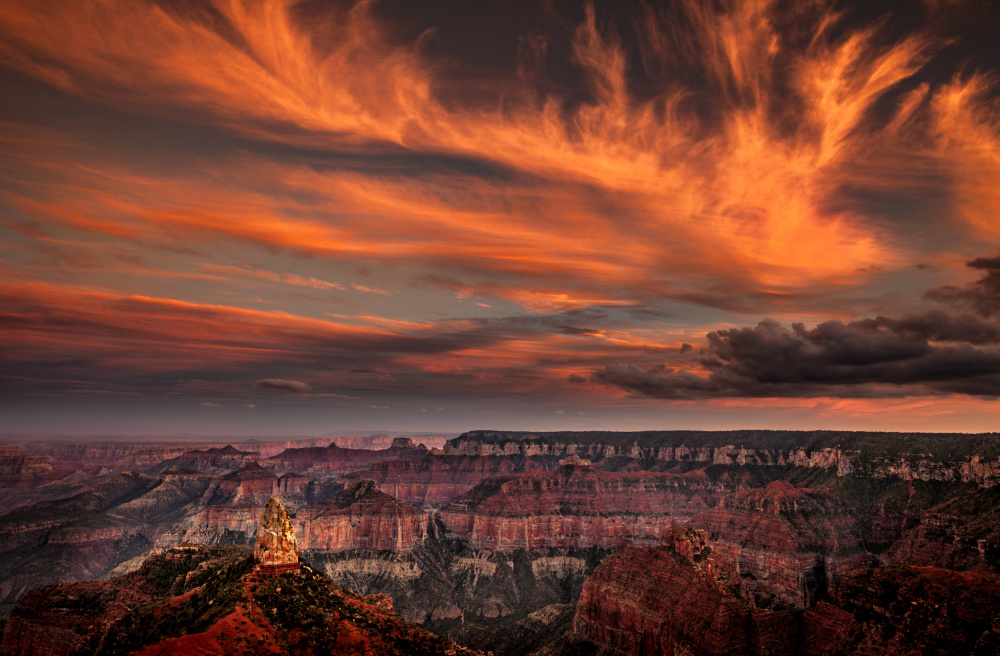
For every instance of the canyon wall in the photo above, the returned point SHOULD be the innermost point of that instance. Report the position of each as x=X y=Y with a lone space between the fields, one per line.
x=361 y=517
x=672 y=601
x=681 y=598
x=787 y=544
x=575 y=507
x=919 y=456
x=434 y=481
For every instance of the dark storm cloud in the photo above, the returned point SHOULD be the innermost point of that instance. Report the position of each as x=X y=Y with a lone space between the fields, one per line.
x=933 y=352
x=867 y=358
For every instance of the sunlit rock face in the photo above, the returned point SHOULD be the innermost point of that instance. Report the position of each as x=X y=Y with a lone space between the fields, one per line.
x=276 y=543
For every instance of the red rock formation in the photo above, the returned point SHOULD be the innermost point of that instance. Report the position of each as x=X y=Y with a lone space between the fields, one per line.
x=880 y=455
x=221 y=524
x=434 y=481
x=362 y=517
x=575 y=507
x=787 y=543
x=961 y=533
x=376 y=442
x=656 y=601
x=335 y=461
x=252 y=484
x=201 y=600
x=276 y=544
x=920 y=610
x=219 y=461
x=56 y=620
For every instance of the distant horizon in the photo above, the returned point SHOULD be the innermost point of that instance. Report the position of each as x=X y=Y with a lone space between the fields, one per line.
x=185 y=438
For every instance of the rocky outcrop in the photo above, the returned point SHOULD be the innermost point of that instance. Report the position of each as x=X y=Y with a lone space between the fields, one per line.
x=962 y=533
x=682 y=600
x=276 y=543
x=668 y=601
x=377 y=442
x=900 y=611
x=362 y=517
x=213 y=600
x=575 y=507
x=788 y=544
x=434 y=481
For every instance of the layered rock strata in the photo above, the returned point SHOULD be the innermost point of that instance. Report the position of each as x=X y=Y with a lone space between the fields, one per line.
x=253 y=484
x=276 y=543
x=218 y=461
x=788 y=544
x=434 y=481
x=362 y=517
x=334 y=461
x=970 y=458
x=575 y=507
x=682 y=600
x=665 y=601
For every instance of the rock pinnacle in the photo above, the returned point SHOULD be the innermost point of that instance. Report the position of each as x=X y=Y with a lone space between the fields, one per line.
x=276 y=543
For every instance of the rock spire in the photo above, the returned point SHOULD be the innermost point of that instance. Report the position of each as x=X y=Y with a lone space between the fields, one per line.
x=276 y=543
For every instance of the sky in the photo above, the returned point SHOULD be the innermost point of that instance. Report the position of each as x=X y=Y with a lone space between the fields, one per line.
x=277 y=217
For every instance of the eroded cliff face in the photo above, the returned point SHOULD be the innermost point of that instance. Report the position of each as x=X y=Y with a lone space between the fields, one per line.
x=276 y=543
x=670 y=600
x=576 y=507
x=315 y=462
x=359 y=517
x=252 y=485
x=876 y=455
x=683 y=599
x=218 y=461
x=432 y=482
x=788 y=544
x=444 y=585
x=362 y=517
x=897 y=611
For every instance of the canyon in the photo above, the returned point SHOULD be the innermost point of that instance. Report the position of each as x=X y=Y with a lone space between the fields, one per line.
x=508 y=540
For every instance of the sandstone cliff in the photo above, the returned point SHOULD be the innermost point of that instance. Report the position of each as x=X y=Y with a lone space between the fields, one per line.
x=660 y=601
x=788 y=544
x=218 y=461
x=434 y=481
x=362 y=517
x=575 y=507
x=276 y=543
x=682 y=600
x=334 y=461
x=909 y=456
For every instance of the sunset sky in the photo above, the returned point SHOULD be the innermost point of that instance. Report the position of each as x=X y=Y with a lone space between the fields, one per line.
x=277 y=217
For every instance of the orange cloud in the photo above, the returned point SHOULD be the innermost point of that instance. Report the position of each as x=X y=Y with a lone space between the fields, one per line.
x=749 y=198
